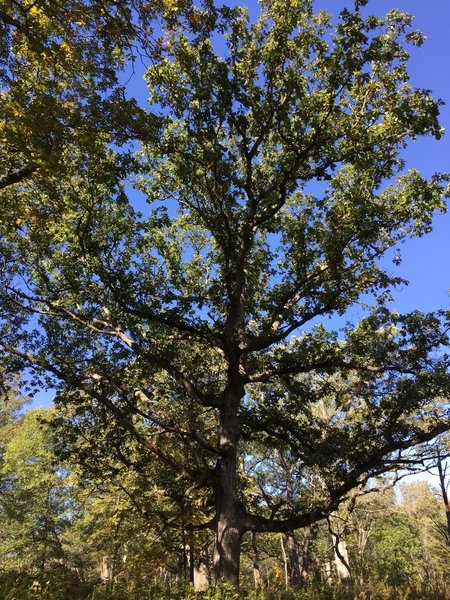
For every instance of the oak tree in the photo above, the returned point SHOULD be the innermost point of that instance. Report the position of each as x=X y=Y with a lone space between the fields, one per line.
x=274 y=186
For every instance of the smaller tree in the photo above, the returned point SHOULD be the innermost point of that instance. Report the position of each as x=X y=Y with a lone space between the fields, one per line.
x=442 y=465
x=422 y=502
x=36 y=504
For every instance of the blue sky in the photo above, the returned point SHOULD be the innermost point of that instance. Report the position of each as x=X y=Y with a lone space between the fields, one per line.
x=426 y=261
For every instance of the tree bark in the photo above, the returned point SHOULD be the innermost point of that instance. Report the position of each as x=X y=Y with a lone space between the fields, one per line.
x=341 y=560
x=283 y=553
x=229 y=513
x=293 y=577
x=227 y=546
x=309 y=534
x=255 y=563
x=442 y=471
x=105 y=569
x=199 y=566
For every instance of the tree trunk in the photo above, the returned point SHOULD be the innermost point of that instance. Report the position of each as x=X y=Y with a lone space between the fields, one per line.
x=106 y=570
x=228 y=523
x=341 y=560
x=327 y=572
x=200 y=569
x=201 y=577
x=227 y=544
x=191 y=559
x=442 y=471
x=290 y=555
x=255 y=563
x=283 y=553
x=309 y=533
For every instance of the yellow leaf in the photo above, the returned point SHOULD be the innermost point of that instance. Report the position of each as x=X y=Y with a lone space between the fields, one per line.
x=66 y=48
x=171 y=6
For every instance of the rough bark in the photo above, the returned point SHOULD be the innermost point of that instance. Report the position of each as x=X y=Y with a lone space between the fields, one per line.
x=444 y=490
x=309 y=534
x=255 y=563
x=227 y=548
x=293 y=569
x=341 y=559
x=229 y=513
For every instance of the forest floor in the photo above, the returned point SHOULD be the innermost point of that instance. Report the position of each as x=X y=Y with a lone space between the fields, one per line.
x=26 y=590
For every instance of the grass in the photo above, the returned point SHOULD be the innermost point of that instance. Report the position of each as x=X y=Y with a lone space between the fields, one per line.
x=14 y=586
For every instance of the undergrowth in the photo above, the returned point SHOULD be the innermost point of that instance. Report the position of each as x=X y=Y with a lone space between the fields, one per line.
x=15 y=586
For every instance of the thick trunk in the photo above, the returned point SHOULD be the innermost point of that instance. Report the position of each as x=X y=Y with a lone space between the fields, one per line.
x=228 y=525
x=309 y=534
x=290 y=557
x=227 y=550
x=341 y=560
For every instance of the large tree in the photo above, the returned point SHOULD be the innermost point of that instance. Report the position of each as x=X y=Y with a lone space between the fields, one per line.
x=273 y=186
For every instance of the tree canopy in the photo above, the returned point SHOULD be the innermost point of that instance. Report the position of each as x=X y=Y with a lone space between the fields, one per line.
x=194 y=322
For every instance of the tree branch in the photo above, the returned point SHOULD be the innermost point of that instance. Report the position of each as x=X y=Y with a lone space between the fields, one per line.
x=17 y=176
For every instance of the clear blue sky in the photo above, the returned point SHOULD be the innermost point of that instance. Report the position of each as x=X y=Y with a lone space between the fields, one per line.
x=426 y=261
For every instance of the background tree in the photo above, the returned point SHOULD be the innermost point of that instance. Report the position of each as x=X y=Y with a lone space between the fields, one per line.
x=442 y=455
x=272 y=197
x=422 y=503
x=60 y=65
x=35 y=500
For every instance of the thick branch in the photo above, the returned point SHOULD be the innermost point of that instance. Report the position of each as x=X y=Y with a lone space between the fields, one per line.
x=9 y=20
x=375 y=465
x=84 y=384
x=326 y=365
x=17 y=176
x=201 y=331
x=108 y=328
x=190 y=434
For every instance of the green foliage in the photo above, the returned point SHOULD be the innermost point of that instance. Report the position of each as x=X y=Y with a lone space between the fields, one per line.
x=93 y=519
x=24 y=591
x=35 y=504
x=189 y=337
x=398 y=549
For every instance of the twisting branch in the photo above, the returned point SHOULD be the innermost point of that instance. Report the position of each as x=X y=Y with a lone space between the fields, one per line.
x=103 y=327
x=9 y=20
x=84 y=384
x=17 y=176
